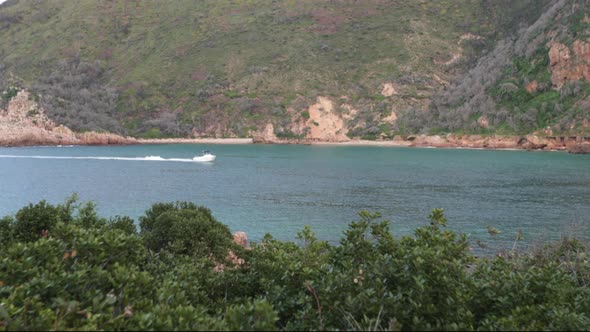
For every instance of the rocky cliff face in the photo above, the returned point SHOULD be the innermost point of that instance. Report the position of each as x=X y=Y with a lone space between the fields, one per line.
x=24 y=123
x=24 y=111
x=569 y=64
x=324 y=124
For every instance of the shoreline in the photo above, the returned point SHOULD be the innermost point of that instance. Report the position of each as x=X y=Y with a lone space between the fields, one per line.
x=20 y=128
x=392 y=144
x=576 y=145
x=237 y=141
x=424 y=142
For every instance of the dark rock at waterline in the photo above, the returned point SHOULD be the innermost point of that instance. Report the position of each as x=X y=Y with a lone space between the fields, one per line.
x=581 y=148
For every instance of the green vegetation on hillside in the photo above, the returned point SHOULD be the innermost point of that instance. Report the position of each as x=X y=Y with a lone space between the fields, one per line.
x=511 y=88
x=63 y=267
x=222 y=68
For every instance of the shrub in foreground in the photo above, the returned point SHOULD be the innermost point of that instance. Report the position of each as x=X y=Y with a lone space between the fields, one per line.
x=70 y=269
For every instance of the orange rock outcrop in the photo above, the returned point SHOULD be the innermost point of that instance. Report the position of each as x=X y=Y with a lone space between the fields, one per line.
x=569 y=64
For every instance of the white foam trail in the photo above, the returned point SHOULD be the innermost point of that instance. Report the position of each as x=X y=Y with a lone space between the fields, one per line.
x=147 y=158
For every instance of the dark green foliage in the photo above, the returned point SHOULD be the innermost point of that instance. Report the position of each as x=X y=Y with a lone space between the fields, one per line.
x=75 y=278
x=33 y=220
x=90 y=275
x=258 y=315
x=288 y=134
x=517 y=298
x=87 y=216
x=6 y=236
x=124 y=224
x=185 y=229
x=10 y=92
x=153 y=133
x=418 y=282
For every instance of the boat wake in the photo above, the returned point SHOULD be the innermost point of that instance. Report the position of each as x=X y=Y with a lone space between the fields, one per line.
x=146 y=158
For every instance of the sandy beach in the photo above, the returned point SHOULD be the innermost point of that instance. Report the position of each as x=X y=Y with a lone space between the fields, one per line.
x=366 y=143
x=195 y=141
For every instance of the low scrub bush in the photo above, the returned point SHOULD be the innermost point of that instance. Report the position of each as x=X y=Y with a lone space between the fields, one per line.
x=63 y=267
x=75 y=94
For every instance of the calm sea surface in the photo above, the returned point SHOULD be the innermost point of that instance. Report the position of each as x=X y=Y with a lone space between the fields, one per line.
x=279 y=189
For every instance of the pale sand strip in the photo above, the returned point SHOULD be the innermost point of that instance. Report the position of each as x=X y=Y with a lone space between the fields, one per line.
x=251 y=141
x=408 y=144
x=318 y=143
x=412 y=145
x=195 y=141
x=365 y=143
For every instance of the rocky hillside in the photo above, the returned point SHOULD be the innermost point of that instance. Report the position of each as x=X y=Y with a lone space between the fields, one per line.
x=537 y=81
x=316 y=69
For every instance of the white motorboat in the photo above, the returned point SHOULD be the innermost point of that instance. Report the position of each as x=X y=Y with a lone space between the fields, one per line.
x=205 y=156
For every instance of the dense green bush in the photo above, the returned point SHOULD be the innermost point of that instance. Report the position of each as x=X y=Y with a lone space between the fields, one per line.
x=6 y=231
x=185 y=229
x=70 y=269
x=124 y=223
x=31 y=221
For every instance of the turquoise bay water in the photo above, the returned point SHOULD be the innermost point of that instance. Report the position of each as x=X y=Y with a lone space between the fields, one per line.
x=278 y=189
